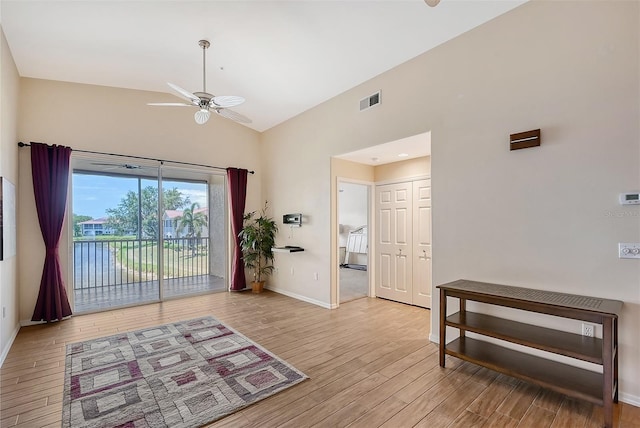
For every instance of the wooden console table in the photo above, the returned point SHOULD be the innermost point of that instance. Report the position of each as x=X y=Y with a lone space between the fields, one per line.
x=600 y=388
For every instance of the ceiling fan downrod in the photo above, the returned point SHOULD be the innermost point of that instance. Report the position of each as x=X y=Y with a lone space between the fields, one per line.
x=204 y=44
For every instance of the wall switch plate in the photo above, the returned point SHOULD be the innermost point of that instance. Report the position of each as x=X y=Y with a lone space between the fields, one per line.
x=628 y=250
x=588 y=330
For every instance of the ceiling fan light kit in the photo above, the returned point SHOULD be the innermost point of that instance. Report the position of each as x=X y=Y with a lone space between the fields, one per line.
x=206 y=101
x=202 y=116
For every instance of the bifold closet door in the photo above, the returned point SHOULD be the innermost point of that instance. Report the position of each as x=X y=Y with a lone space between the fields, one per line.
x=422 y=243
x=403 y=250
x=394 y=272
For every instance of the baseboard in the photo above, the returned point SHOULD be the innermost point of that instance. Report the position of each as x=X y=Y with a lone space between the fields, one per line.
x=6 y=349
x=27 y=323
x=634 y=400
x=433 y=338
x=303 y=298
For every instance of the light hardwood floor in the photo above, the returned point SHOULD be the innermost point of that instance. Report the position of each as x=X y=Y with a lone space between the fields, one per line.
x=370 y=363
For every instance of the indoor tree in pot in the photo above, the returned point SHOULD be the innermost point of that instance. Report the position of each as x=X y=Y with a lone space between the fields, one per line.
x=257 y=239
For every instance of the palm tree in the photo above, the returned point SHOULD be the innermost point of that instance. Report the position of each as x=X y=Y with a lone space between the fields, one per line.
x=193 y=222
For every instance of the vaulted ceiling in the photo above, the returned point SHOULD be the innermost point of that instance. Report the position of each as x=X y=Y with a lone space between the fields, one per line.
x=284 y=57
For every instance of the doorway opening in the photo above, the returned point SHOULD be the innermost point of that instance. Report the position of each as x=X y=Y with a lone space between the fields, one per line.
x=399 y=253
x=353 y=240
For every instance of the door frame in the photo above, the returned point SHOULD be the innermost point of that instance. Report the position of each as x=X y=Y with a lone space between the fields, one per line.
x=159 y=180
x=370 y=231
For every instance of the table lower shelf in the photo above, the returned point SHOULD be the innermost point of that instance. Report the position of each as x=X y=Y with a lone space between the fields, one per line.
x=563 y=378
x=559 y=342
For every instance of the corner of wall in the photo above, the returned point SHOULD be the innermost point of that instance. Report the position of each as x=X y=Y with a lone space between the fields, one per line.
x=9 y=96
x=6 y=347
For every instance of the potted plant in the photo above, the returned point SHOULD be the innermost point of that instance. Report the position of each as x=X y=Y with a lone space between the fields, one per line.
x=257 y=239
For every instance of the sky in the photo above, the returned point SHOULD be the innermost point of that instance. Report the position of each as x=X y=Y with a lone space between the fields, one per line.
x=93 y=194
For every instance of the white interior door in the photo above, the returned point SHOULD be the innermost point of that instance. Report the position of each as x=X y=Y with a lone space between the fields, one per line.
x=422 y=243
x=394 y=272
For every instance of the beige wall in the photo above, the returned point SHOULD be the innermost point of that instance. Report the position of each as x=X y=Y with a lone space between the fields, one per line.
x=114 y=120
x=411 y=168
x=545 y=217
x=9 y=295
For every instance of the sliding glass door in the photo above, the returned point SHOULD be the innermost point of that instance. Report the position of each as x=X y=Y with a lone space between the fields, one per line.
x=145 y=233
x=194 y=239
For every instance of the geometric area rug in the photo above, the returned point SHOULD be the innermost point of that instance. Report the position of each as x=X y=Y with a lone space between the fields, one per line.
x=184 y=374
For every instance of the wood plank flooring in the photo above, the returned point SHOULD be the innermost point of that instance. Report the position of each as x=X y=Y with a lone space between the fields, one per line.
x=370 y=363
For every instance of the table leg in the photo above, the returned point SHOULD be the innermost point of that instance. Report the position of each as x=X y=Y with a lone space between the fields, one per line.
x=607 y=371
x=443 y=328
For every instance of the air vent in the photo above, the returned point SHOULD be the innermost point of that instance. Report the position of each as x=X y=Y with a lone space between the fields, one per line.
x=370 y=101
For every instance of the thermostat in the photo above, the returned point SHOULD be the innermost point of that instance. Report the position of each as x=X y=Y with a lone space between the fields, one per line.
x=629 y=198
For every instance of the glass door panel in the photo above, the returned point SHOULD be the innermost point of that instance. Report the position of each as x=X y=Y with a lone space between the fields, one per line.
x=193 y=224
x=115 y=234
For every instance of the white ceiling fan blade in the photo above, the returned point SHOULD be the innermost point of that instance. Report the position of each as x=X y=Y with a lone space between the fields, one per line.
x=188 y=95
x=170 y=104
x=226 y=101
x=230 y=114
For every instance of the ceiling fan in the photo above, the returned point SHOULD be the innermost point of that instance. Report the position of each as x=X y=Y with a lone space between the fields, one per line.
x=206 y=102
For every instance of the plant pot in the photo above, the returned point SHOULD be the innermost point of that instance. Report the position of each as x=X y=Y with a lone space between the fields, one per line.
x=257 y=287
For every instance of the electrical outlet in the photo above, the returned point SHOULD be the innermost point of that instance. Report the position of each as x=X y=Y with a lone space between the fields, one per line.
x=4 y=312
x=315 y=276
x=588 y=329
x=628 y=251
x=292 y=271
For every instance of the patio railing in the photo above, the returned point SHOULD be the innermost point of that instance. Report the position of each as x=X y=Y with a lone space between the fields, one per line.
x=103 y=263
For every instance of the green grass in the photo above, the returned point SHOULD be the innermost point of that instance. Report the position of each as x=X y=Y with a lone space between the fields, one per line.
x=178 y=261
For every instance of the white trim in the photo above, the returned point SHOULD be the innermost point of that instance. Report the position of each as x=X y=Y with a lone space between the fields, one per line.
x=404 y=179
x=28 y=323
x=370 y=232
x=7 y=348
x=434 y=338
x=70 y=267
x=634 y=400
x=342 y=179
x=300 y=297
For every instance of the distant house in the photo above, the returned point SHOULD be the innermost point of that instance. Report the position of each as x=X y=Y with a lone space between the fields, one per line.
x=171 y=221
x=95 y=227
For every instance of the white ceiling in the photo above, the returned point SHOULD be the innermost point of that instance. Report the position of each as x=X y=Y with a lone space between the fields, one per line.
x=284 y=57
x=395 y=151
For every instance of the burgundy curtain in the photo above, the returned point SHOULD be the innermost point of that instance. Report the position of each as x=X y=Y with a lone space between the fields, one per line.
x=238 y=190
x=50 y=171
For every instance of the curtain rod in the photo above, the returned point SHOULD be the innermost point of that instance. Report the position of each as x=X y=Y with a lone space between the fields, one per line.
x=21 y=144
